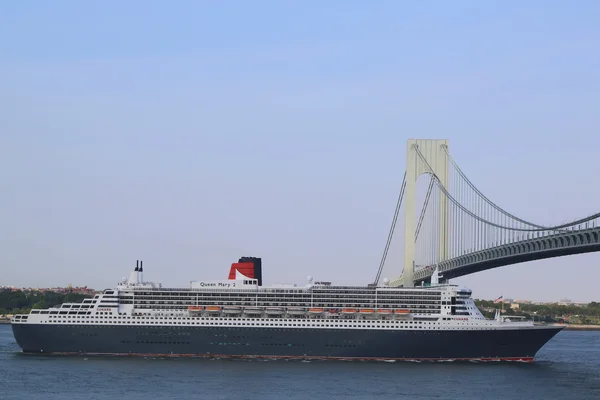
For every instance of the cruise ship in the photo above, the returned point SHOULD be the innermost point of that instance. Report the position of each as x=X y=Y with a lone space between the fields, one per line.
x=238 y=317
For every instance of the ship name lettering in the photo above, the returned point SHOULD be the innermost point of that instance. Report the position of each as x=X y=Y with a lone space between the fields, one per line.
x=219 y=284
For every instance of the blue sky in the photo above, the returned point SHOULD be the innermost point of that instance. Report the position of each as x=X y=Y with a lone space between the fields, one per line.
x=190 y=133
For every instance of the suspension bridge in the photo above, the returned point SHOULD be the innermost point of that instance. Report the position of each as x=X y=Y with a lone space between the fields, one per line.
x=460 y=231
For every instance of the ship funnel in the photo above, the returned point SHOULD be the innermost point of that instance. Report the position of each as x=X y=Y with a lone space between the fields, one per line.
x=133 y=277
x=249 y=267
x=141 y=273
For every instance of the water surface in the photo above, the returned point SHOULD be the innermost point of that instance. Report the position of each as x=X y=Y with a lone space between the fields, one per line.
x=568 y=367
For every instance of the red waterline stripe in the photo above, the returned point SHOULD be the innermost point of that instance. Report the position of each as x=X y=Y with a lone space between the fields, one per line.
x=158 y=355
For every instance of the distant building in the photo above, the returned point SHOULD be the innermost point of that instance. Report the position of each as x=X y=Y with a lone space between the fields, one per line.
x=523 y=301
x=565 y=302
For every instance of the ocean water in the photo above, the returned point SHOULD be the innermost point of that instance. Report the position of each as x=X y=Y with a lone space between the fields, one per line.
x=568 y=367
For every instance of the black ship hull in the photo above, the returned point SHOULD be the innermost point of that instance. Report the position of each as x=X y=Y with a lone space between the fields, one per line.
x=517 y=344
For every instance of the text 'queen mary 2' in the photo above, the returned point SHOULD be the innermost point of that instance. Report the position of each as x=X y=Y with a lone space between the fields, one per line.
x=239 y=317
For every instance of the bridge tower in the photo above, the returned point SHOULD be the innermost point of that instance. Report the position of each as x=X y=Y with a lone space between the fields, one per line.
x=436 y=162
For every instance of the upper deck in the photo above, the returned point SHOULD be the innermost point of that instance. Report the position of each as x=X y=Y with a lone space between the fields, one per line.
x=243 y=295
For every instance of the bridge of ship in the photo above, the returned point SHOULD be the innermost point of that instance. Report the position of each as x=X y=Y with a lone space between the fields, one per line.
x=460 y=231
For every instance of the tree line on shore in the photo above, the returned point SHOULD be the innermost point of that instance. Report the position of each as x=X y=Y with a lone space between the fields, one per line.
x=551 y=312
x=21 y=302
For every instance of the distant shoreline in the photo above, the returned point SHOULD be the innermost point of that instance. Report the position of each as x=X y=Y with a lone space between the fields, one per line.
x=574 y=327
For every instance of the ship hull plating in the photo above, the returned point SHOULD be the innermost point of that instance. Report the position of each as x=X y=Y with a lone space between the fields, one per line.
x=518 y=344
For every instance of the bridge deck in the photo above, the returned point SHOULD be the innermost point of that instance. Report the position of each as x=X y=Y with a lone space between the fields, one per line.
x=562 y=244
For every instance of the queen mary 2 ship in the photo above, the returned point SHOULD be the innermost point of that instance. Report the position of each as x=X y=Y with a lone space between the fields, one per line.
x=239 y=317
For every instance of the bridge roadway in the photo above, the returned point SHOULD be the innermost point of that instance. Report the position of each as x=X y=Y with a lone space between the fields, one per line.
x=557 y=245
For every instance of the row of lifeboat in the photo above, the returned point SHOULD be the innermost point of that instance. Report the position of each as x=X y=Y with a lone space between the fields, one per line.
x=297 y=310
x=363 y=311
x=237 y=310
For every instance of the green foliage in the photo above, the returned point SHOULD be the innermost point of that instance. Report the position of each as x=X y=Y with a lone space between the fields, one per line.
x=20 y=302
x=554 y=312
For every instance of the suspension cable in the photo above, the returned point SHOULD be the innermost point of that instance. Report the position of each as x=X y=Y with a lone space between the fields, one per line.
x=424 y=209
x=468 y=212
x=392 y=228
x=487 y=200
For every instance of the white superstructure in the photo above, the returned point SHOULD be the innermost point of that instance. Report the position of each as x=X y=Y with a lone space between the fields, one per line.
x=241 y=302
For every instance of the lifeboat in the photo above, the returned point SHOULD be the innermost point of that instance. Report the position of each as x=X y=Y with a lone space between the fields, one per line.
x=401 y=311
x=367 y=311
x=316 y=310
x=384 y=311
x=195 y=308
x=213 y=308
x=296 y=310
x=232 y=309
x=349 y=310
x=274 y=310
x=253 y=310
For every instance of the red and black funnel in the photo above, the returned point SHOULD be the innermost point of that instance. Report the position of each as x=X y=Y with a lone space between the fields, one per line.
x=248 y=266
